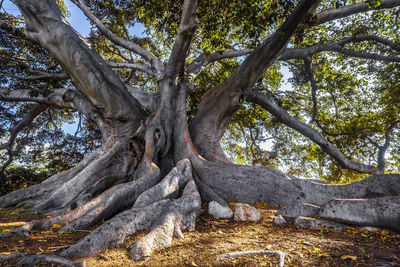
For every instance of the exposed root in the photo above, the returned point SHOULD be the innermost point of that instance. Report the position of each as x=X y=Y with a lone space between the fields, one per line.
x=113 y=162
x=170 y=224
x=34 y=260
x=112 y=233
x=278 y=254
x=36 y=194
x=299 y=209
x=242 y=183
x=159 y=237
x=381 y=212
x=307 y=222
x=207 y=193
x=168 y=187
x=10 y=256
x=97 y=188
x=112 y=201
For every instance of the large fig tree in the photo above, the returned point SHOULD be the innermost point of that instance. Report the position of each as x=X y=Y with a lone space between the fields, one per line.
x=206 y=72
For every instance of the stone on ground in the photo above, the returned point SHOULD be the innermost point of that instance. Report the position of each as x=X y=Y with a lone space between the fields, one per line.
x=306 y=222
x=301 y=209
x=218 y=210
x=245 y=212
x=279 y=220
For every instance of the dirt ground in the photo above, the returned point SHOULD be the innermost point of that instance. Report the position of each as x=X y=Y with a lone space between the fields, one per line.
x=214 y=236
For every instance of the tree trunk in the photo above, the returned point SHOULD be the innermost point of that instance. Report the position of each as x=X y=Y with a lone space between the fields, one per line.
x=148 y=173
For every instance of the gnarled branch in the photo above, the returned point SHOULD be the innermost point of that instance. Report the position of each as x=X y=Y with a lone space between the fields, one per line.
x=44 y=23
x=203 y=60
x=133 y=66
x=39 y=76
x=220 y=103
x=180 y=49
x=132 y=46
x=314 y=88
x=268 y=103
x=337 y=13
x=375 y=38
x=54 y=98
x=295 y=53
x=31 y=116
x=383 y=148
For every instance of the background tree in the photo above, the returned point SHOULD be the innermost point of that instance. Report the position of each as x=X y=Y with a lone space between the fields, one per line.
x=154 y=111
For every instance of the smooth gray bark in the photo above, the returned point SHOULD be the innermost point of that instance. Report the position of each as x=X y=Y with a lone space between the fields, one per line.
x=134 y=180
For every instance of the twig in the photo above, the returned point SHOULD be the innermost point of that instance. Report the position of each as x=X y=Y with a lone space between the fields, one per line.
x=59 y=247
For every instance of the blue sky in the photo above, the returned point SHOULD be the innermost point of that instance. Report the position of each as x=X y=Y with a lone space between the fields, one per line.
x=77 y=19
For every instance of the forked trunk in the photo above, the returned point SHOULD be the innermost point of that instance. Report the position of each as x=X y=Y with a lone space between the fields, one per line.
x=148 y=173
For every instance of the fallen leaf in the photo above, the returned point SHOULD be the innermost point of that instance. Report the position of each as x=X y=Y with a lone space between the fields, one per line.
x=324 y=255
x=55 y=226
x=348 y=257
x=385 y=232
x=12 y=224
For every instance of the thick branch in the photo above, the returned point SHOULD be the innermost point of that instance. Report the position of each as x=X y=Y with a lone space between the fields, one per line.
x=337 y=13
x=264 y=56
x=146 y=100
x=220 y=103
x=314 y=88
x=324 y=16
x=203 y=60
x=133 y=66
x=384 y=147
x=46 y=25
x=295 y=53
x=375 y=38
x=38 y=76
x=269 y=104
x=60 y=98
x=187 y=27
x=132 y=46
x=56 y=98
x=257 y=183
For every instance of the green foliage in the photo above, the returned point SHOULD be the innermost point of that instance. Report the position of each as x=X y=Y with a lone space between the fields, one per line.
x=19 y=177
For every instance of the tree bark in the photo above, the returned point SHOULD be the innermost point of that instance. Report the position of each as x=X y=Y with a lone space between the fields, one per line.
x=148 y=174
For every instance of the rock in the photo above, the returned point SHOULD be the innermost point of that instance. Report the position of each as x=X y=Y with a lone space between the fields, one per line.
x=302 y=209
x=370 y=228
x=306 y=222
x=279 y=220
x=217 y=210
x=385 y=264
x=245 y=212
